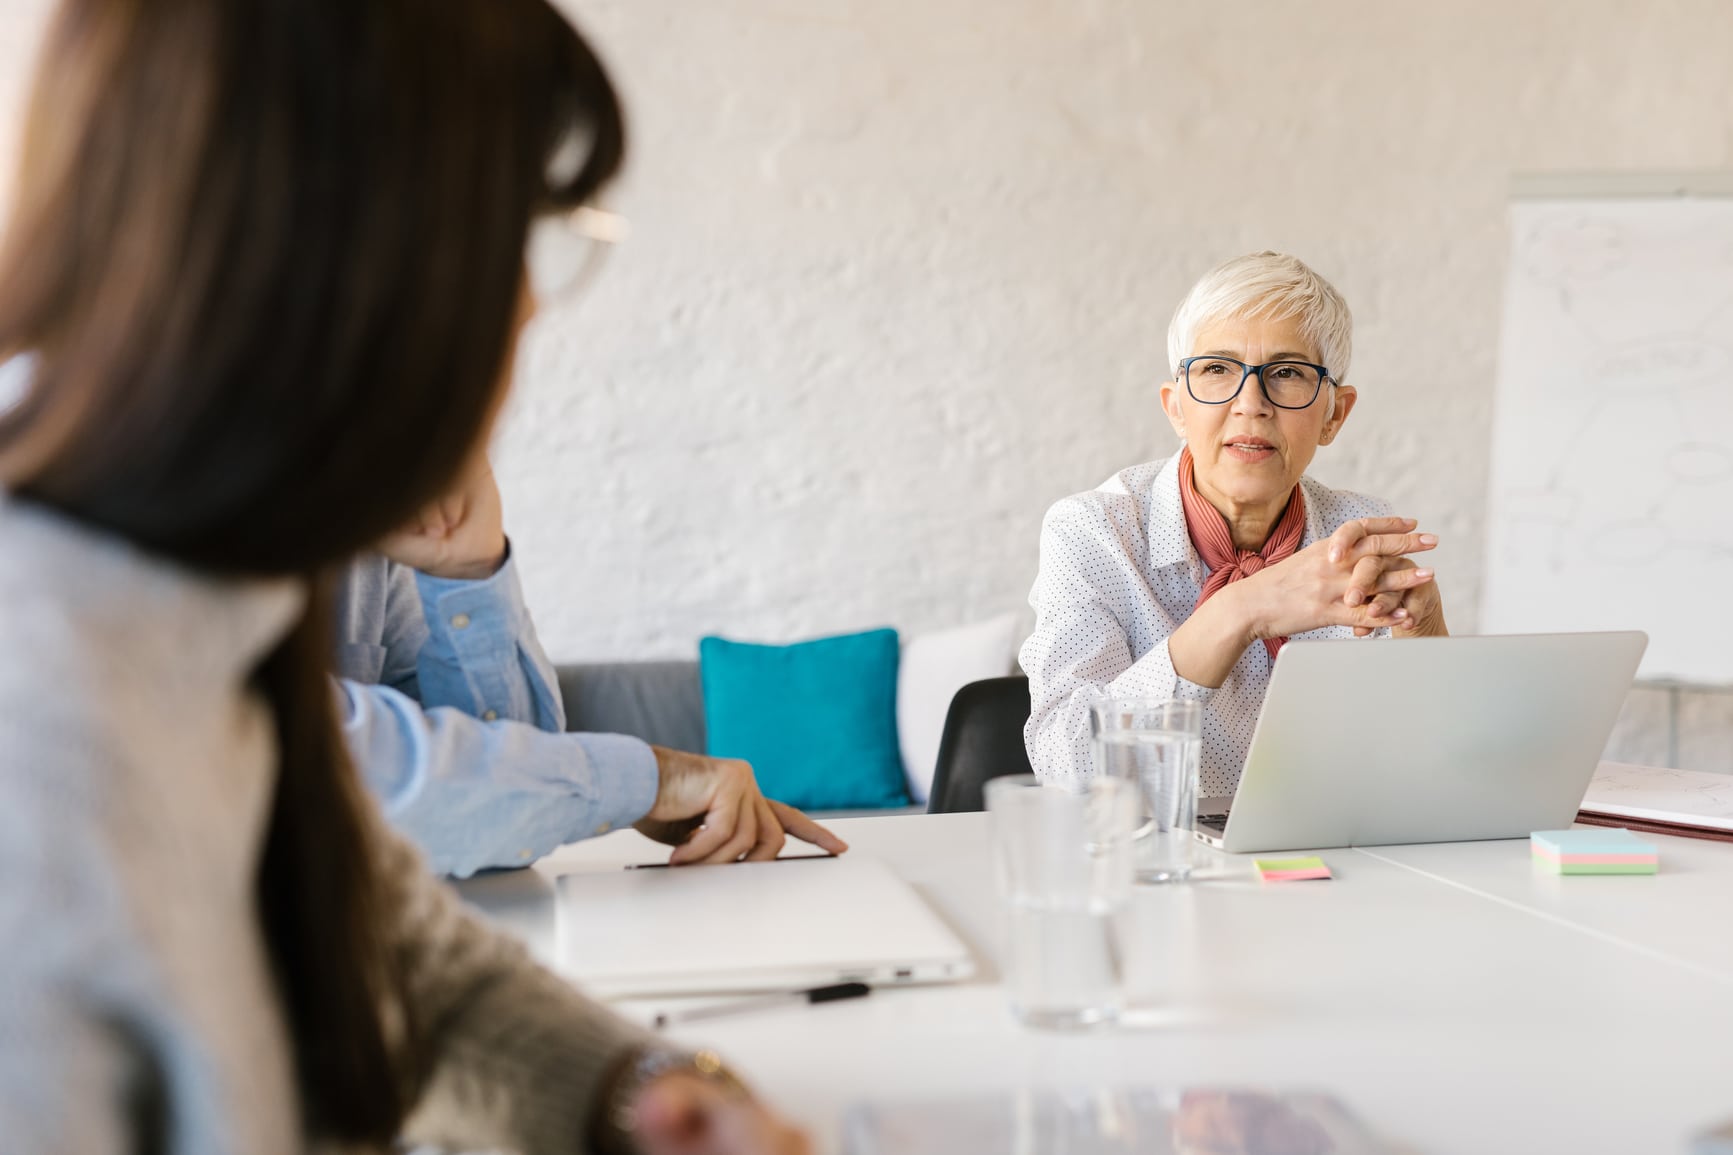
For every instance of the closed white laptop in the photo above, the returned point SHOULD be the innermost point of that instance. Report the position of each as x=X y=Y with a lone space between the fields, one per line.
x=753 y=926
x=1368 y=743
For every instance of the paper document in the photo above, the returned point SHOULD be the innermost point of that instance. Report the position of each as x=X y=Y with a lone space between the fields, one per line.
x=1656 y=794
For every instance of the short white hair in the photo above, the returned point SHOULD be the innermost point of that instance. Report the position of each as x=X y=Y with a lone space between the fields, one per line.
x=1269 y=286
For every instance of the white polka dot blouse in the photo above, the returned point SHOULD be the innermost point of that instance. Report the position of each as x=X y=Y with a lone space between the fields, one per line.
x=1118 y=575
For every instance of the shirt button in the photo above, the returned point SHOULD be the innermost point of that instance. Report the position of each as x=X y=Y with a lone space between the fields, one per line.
x=460 y=621
x=604 y=828
x=526 y=854
x=490 y=716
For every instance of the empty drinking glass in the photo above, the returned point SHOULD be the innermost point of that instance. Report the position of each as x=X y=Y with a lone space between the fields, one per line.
x=1155 y=744
x=1063 y=860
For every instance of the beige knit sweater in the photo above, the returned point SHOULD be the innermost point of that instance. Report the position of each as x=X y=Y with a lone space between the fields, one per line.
x=137 y=1012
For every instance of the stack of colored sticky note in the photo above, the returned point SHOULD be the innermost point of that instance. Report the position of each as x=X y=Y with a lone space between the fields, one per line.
x=1290 y=869
x=1595 y=851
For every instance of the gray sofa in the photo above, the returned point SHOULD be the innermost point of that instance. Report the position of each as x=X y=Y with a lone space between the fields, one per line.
x=660 y=702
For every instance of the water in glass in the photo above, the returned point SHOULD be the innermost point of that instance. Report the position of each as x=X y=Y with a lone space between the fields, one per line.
x=1063 y=861
x=1160 y=753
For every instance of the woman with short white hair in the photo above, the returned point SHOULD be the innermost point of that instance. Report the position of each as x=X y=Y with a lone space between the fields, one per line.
x=1183 y=578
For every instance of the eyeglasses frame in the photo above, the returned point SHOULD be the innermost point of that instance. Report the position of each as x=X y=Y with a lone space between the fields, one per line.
x=1324 y=378
x=602 y=229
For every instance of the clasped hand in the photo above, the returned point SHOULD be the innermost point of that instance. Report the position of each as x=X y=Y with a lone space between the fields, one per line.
x=1360 y=576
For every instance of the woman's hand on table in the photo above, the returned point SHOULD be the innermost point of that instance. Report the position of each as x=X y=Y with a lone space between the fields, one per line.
x=711 y=810
x=685 y=1114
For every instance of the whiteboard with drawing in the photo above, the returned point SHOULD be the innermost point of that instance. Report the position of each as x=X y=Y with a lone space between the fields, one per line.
x=1611 y=494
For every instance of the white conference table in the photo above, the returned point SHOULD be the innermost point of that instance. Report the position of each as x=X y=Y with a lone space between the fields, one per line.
x=1452 y=996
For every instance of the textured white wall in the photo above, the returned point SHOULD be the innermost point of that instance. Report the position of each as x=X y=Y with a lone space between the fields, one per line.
x=900 y=273
x=901 y=270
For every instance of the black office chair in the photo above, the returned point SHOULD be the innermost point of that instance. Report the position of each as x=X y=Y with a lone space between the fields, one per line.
x=983 y=739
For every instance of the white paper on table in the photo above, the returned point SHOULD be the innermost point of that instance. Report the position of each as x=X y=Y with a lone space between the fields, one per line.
x=1657 y=794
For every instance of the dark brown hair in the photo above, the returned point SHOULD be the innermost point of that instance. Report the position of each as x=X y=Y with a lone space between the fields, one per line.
x=266 y=258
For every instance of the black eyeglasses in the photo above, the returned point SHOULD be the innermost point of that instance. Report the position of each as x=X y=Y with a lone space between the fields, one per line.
x=1287 y=384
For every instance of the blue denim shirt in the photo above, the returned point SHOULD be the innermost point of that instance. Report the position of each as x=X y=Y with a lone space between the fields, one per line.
x=453 y=714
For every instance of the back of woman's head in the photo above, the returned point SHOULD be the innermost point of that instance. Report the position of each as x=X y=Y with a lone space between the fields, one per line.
x=265 y=259
x=267 y=256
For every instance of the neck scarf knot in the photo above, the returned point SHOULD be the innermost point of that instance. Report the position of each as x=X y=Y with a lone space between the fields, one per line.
x=1214 y=542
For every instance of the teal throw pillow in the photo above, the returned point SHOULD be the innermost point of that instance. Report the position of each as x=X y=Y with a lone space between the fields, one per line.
x=817 y=720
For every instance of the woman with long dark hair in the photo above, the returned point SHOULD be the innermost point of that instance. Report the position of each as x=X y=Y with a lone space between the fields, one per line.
x=267 y=262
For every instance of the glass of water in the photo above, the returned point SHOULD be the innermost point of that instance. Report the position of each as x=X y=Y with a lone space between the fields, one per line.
x=1063 y=861
x=1155 y=744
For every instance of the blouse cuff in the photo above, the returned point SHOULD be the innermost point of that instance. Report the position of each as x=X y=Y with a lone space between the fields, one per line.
x=1153 y=676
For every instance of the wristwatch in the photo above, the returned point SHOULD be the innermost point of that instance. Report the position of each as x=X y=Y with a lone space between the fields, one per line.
x=617 y=1122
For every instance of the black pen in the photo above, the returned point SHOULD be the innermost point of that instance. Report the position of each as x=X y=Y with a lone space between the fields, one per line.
x=828 y=994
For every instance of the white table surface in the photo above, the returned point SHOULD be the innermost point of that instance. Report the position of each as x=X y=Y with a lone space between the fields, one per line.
x=1454 y=997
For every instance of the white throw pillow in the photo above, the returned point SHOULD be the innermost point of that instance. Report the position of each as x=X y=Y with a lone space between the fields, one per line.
x=932 y=669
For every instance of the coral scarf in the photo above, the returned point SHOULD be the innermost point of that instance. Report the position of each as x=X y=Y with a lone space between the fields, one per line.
x=1215 y=544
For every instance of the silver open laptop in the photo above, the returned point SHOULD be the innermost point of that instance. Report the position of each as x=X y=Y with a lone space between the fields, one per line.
x=1424 y=740
x=754 y=926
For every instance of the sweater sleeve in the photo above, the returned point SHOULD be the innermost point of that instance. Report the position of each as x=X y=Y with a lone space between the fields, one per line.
x=515 y=1058
x=75 y=993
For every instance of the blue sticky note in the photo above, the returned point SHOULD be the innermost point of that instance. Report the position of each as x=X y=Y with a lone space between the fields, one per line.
x=1594 y=841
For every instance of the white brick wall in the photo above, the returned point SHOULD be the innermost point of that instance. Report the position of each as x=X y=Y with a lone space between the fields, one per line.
x=902 y=269
x=900 y=273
